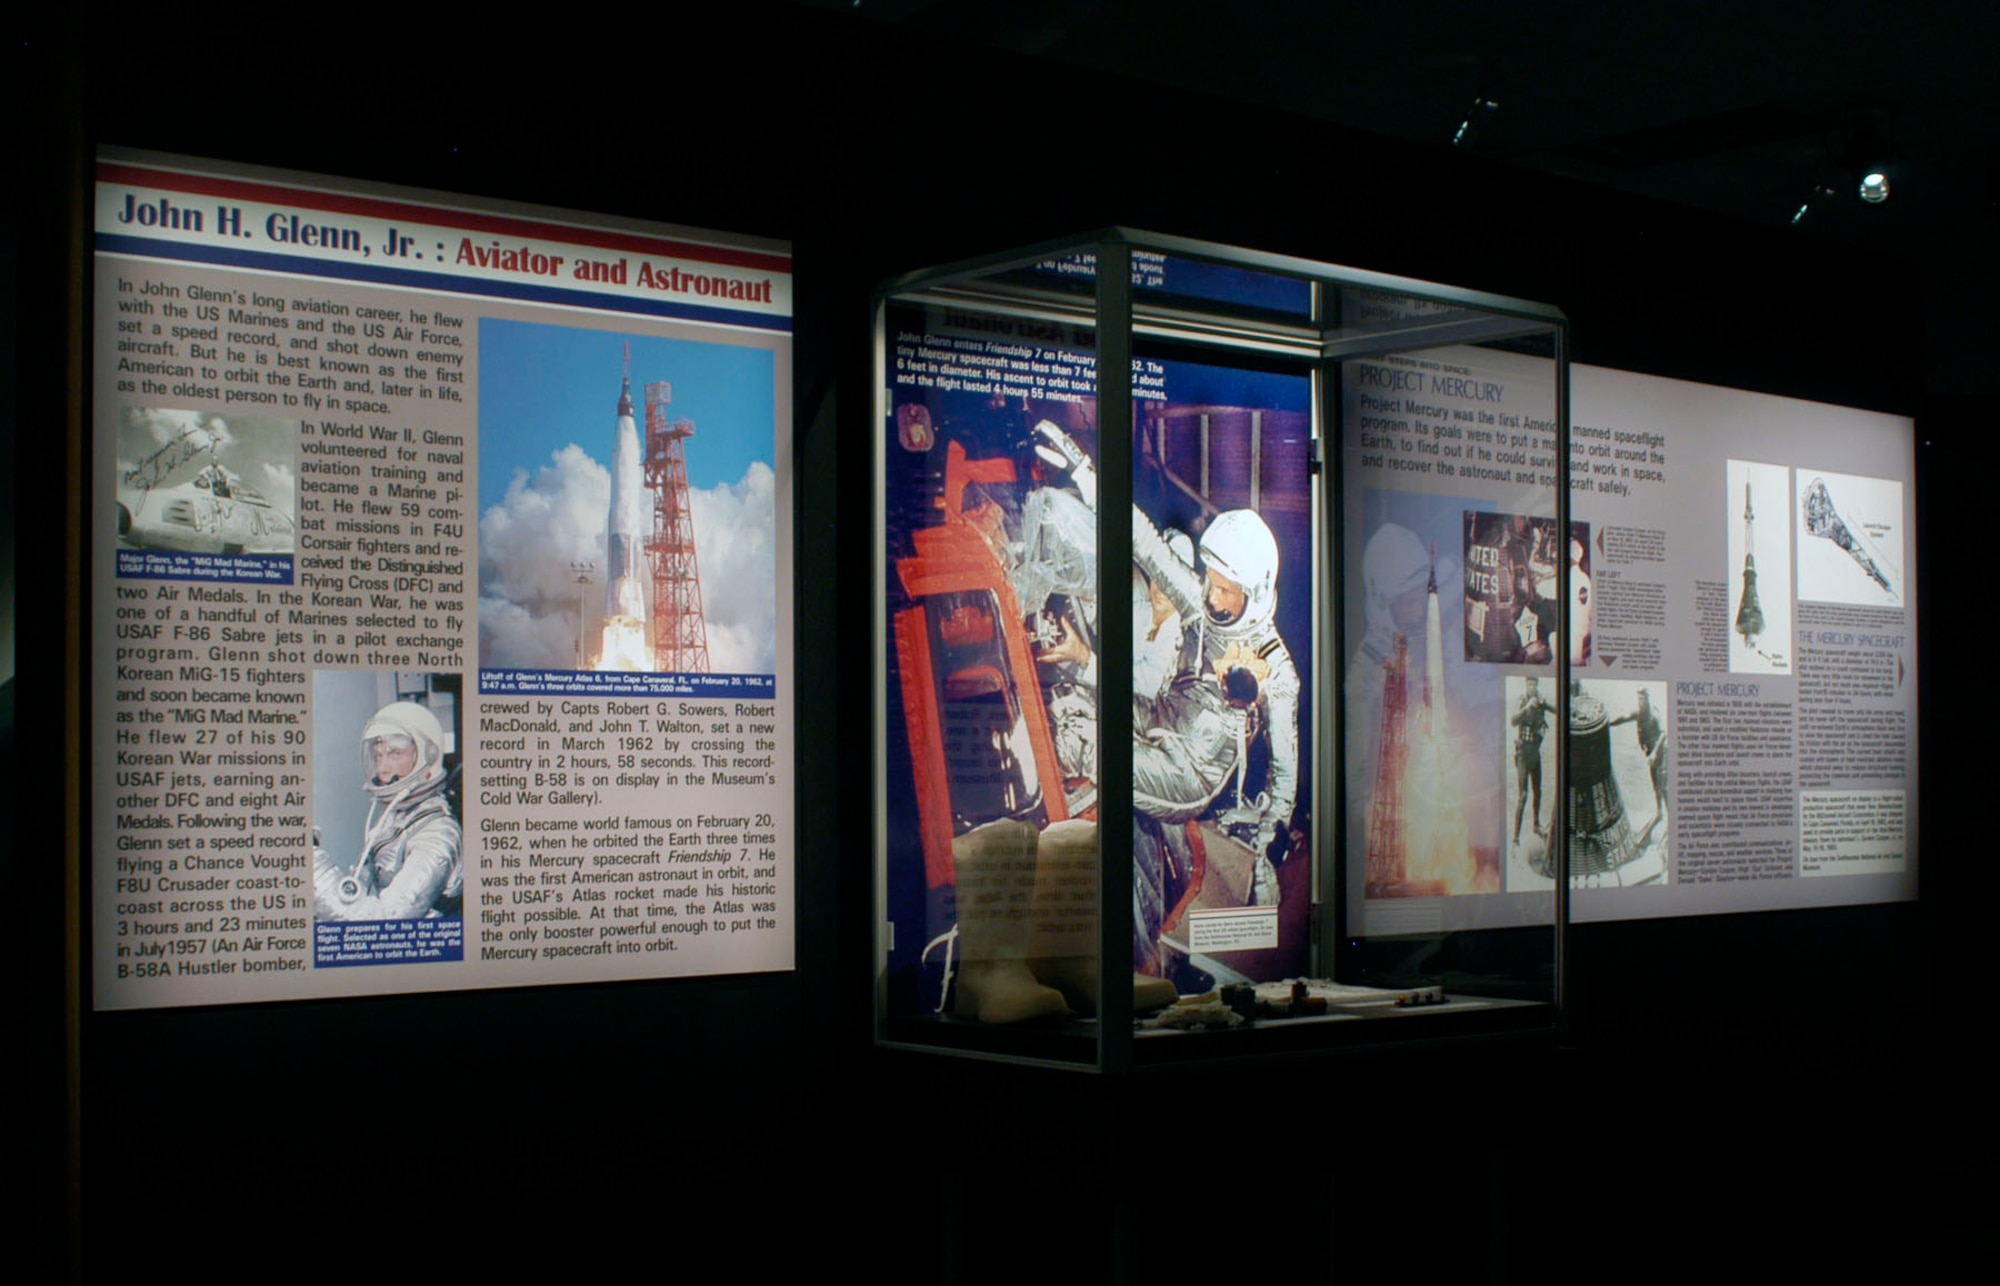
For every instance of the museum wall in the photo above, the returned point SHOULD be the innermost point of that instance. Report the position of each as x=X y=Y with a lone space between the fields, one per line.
x=301 y=1125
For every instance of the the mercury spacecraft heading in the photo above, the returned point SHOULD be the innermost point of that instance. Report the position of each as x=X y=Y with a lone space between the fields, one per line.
x=624 y=548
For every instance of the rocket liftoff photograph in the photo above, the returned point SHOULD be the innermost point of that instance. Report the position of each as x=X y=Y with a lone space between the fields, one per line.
x=1424 y=754
x=626 y=502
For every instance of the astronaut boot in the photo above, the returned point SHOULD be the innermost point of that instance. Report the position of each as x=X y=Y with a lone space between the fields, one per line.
x=1076 y=977
x=1065 y=909
x=996 y=866
x=1152 y=993
x=1064 y=934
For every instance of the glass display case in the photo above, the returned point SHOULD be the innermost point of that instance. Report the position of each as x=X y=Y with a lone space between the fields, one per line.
x=1283 y=771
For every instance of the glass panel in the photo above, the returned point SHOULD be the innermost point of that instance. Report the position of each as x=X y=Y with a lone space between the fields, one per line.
x=1201 y=286
x=1258 y=814
x=1223 y=692
x=992 y=689
x=1242 y=290
x=1457 y=568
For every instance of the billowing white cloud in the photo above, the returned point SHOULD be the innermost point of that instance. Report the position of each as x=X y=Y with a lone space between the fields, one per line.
x=143 y=430
x=164 y=424
x=735 y=534
x=528 y=591
x=162 y=447
x=528 y=541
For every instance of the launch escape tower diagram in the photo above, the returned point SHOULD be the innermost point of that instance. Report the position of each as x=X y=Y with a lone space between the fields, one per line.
x=680 y=634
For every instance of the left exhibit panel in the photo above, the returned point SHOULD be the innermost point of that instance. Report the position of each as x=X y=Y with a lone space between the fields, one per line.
x=438 y=562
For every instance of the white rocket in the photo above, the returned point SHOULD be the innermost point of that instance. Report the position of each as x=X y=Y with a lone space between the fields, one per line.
x=624 y=646
x=624 y=542
x=1434 y=711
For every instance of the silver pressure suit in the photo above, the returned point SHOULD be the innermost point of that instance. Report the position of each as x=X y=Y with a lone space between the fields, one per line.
x=1182 y=765
x=412 y=865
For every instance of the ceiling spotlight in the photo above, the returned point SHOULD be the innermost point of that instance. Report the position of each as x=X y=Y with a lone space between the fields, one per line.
x=1875 y=187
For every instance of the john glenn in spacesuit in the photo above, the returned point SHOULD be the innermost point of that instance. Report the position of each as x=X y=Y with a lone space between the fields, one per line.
x=1242 y=673
x=412 y=864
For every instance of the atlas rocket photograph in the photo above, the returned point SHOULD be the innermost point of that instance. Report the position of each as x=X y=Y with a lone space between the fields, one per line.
x=623 y=641
x=626 y=503
x=1424 y=750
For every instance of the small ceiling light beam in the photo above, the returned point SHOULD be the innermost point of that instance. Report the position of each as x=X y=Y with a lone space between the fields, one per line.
x=1476 y=116
x=1821 y=193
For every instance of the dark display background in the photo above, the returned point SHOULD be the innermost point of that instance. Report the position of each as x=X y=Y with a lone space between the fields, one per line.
x=1718 y=1071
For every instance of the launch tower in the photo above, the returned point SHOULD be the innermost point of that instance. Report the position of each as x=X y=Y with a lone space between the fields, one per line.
x=1385 y=809
x=680 y=634
x=624 y=646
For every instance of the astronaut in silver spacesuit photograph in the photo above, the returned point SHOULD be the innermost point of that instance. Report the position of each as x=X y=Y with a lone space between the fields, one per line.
x=1232 y=679
x=409 y=860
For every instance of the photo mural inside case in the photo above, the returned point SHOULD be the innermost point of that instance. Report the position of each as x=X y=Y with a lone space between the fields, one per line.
x=993 y=588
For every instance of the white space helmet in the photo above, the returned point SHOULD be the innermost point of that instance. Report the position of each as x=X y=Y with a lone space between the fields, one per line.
x=407 y=723
x=1240 y=546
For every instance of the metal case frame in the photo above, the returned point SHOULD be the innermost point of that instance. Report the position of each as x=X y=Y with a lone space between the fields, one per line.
x=1317 y=340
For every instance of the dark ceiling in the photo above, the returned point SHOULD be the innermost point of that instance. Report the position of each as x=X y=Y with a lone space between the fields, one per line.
x=1749 y=110
x=1740 y=108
